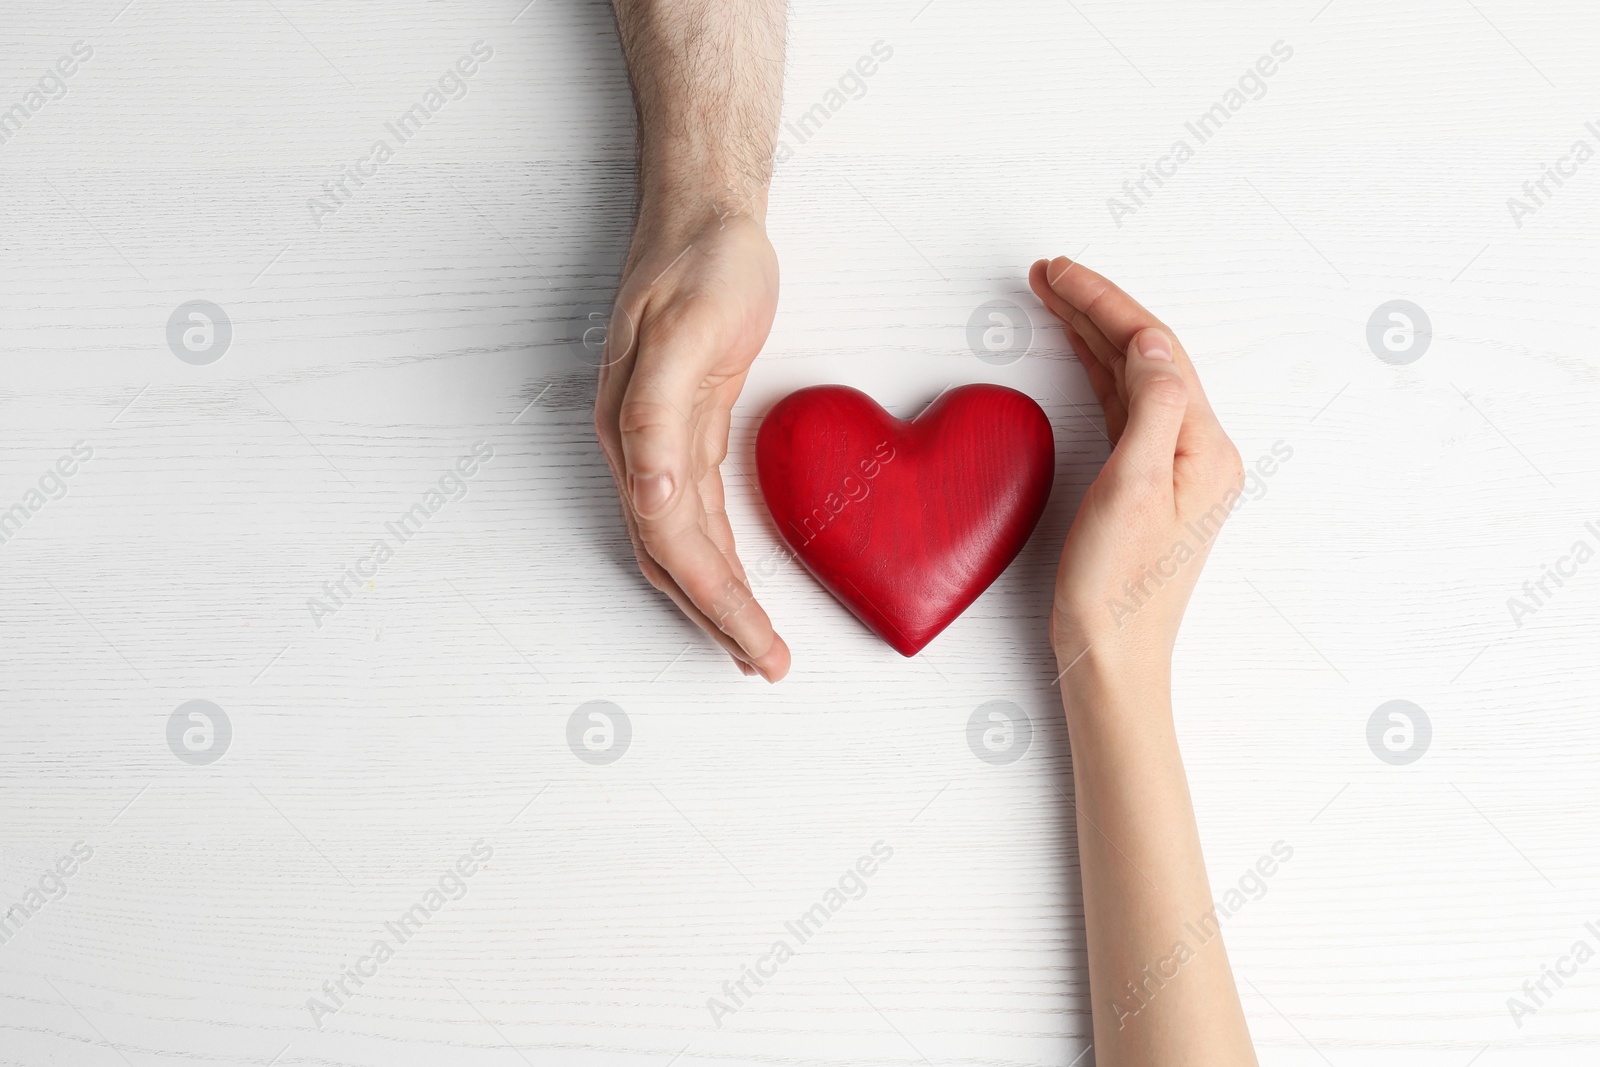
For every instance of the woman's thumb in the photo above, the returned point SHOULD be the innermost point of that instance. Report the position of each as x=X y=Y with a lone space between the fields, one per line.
x=1157 y=400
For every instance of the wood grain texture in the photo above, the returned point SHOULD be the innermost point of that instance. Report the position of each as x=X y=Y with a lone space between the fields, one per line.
x=444 y=305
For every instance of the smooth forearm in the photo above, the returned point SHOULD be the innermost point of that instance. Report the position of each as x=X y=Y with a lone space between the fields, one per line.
x=708 y=84
x=1161 y=987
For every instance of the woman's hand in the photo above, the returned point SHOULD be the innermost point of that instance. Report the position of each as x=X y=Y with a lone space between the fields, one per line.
x=1160 y=987
x=1146 y=524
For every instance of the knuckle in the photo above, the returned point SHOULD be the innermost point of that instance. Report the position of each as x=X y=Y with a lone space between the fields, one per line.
x=1227 y=463
x=702 y=588
x=721 y=597
x=652 y=573
x=675 y=326
x=1103 y=289
x=656 y=538
x=714 y=452
x=639 y=418
x=658 y=330
x=1165 y=390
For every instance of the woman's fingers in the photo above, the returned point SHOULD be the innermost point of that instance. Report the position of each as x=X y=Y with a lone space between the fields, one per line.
x=1089 y=352
x=1115 y=315
x=1104 y=384
x=1118 y=315
x=1075 y=319
x=1157 y=401
x=1052 y=274
x=1110 y=319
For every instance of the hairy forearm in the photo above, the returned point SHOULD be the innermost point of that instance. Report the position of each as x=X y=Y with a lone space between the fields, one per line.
x=1160 y=985
x=708 y=85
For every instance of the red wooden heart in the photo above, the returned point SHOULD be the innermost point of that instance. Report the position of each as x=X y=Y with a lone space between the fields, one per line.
x=906 y=522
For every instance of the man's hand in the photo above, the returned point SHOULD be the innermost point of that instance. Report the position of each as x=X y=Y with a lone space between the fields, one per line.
x=692 y=313
x=697 y=298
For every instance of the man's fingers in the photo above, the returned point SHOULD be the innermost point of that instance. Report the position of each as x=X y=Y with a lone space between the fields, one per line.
x=703 y=573
x=663 y=450
x=657 y=436
x=679 y=542
x=658 y=577
x=718 y=528
x=646 y=532
x=1157 y=401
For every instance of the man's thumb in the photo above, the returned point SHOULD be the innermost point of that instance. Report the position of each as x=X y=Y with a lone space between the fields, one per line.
x=1157 y=399
x=655 y=445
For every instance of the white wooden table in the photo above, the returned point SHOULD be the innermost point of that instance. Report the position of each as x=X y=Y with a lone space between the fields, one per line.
x=235 y=867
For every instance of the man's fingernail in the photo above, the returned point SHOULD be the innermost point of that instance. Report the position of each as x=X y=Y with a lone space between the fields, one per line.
x=651 y=492
x=1153 y=344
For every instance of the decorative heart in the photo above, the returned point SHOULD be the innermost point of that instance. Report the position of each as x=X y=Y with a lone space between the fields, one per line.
x=906 y=523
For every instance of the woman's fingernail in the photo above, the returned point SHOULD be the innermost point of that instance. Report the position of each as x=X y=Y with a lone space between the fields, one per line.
x=1153 y=344
x=651 y=492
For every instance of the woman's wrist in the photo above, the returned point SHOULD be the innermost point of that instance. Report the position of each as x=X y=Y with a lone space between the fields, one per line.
x=1115 y=684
